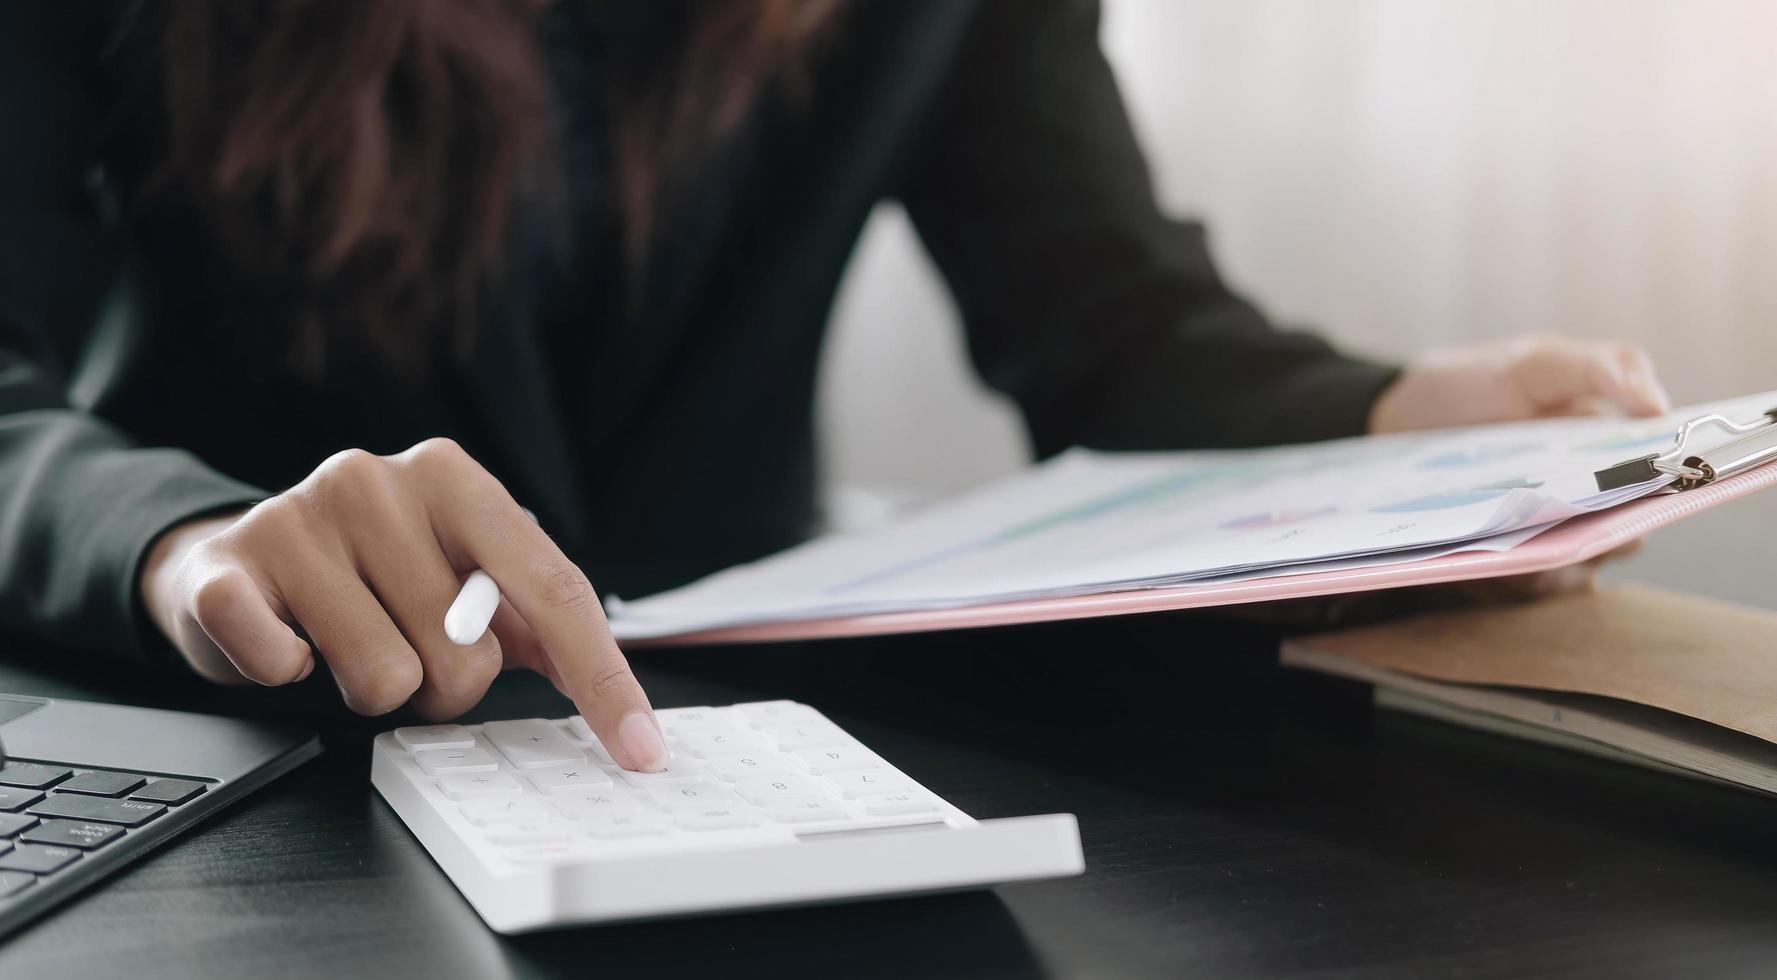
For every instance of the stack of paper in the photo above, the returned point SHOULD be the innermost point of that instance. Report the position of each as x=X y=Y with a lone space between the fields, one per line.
x=1631 y=673
x=1091 y=522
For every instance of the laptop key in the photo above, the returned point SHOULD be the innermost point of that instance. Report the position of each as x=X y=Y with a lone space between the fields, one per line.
x=12 y=823
x=72 y=833
x=30 y=775
x=172 y=792
x=37 y=859
x=14 y=798
x=98 y=783
x=130 y=813
x=13 y=882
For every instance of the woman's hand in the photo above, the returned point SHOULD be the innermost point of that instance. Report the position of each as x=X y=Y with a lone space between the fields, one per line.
x=1508 y=381
x=363 y=558
x=1522 y=378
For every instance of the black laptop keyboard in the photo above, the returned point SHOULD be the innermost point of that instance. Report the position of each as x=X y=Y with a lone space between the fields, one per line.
x=52 y=817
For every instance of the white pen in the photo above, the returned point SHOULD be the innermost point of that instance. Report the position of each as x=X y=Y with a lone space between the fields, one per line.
x=465 y=622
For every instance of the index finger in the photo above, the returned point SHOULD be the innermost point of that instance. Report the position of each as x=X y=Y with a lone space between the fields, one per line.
x=479 y=523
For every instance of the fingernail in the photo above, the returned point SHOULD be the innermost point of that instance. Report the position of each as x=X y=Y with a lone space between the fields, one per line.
x=641 y=741
x=307 y=669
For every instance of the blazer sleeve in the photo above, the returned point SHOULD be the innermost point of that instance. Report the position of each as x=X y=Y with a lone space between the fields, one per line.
x=1103 y=318
x=79 y=502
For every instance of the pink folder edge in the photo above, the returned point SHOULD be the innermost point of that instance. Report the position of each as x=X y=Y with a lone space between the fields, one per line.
x=1575 y=540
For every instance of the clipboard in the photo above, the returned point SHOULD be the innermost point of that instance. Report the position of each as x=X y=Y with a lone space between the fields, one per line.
x=1573 y=541
x=1750 y=445
x=1707 y=469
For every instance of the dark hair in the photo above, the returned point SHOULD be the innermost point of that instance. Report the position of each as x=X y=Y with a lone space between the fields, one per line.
x=364 y=159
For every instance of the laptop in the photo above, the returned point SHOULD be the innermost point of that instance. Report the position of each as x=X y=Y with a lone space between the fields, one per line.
x=87 y=788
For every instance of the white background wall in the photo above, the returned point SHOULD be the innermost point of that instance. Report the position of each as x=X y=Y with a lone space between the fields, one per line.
x=1397 y=173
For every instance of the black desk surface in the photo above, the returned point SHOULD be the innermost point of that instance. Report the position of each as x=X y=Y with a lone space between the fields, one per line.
x=1237 y=821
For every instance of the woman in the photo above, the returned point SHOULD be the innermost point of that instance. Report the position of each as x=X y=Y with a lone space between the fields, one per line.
x=303 y=304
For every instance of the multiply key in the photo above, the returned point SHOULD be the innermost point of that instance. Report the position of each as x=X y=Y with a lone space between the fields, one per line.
x=130 y=813
x=570 y=781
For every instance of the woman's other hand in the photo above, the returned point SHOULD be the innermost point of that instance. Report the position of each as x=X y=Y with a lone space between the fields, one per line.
x=1521 y=378
x=1508 y=381
x=358 y=563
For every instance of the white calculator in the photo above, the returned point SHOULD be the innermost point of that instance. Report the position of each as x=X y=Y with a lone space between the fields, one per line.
x=764 y=804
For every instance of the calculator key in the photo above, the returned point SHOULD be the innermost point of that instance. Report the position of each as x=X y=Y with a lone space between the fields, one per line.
x=892 y=803
x=597 y=804
x=678 y=771
x=434 y=737
x=733 y=768
x=570 y=780
x=172 y=792
x=806 y=811
x=98 y=783
x=582 y=735
x=869 y=782
x=14 y=798
x=129 y=813
x=785 y=788
x=803 y=735
x=469 y=785
x=635 y=823
x=765 y=714
x=836 y=758
x=715 y=818
x=30 y=775
x=533 y=743
x=696 y=796
x=72 y=833
x=710 y=742
x=440 y=761
x=37 y=859
x=493 y=811
x=678 y=721
x=12 y=823
x=13 y=882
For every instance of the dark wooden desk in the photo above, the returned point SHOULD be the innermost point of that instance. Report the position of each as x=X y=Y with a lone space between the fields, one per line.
x=1237 y=821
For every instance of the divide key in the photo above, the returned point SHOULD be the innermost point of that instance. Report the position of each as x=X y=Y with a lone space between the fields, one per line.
x=130 y=813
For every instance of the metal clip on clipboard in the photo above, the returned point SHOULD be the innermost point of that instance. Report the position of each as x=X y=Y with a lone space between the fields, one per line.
x=1750 y=445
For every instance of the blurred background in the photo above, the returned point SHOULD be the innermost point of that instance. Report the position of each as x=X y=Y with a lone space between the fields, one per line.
x=1394 y=174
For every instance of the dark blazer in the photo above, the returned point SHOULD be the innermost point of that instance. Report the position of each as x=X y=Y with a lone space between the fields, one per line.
x=141 y=385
